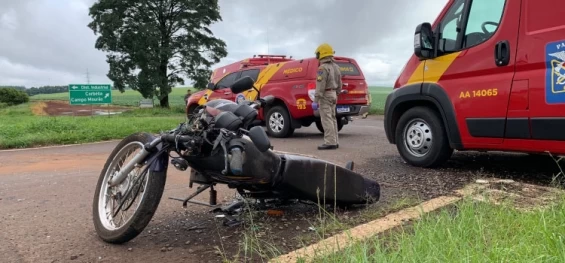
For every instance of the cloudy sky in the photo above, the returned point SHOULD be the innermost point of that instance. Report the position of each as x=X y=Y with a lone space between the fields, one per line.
x=47 y=42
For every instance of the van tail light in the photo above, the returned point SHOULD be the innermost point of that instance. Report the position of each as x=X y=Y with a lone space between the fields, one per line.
x=311 y=90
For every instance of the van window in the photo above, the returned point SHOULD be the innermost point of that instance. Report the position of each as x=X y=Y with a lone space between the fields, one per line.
x=450 y=24
x=484 y=16
x=227 y=81
x=253 y=73
x=348 y=69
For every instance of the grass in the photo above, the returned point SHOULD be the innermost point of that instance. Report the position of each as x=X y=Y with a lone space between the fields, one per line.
x=378 y=99
x=20 y=128
x=472 y=232
x=524 y=227
x=176 y=98
x=260 y=242
x=128 y=98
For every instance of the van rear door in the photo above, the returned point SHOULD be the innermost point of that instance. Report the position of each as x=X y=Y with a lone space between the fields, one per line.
x=541 y=77
x=354 y=82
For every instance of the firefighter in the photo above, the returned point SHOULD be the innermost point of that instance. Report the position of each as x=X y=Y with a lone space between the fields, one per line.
x=328 y=87
x=188 y=93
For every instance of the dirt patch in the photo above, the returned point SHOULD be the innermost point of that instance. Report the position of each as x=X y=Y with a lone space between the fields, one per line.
x=63 y=108
x=39 y=108
x=522 y=196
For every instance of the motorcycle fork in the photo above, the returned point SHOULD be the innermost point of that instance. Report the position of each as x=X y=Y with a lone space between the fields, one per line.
x=139 y=158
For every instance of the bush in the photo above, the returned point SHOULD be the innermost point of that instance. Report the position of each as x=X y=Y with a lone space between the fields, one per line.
x=11 y=96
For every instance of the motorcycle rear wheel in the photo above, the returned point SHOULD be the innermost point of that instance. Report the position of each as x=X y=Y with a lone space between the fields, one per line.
x=148 y=194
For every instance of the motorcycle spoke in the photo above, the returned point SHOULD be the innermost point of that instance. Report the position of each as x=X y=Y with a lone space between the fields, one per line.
x=117 y=202
x=132 y=198
x=128 y=192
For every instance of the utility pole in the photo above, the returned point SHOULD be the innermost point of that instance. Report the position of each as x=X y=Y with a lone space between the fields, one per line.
x=88 y=82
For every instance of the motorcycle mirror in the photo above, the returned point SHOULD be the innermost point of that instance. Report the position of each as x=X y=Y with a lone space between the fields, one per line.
x=269 y=99
x=259 y=137
x=242 y=84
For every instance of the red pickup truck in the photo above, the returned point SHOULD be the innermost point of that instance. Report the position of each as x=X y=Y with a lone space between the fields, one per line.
x=292 y=82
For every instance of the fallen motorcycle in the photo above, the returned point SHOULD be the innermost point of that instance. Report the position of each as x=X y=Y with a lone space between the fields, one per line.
x=217 y=145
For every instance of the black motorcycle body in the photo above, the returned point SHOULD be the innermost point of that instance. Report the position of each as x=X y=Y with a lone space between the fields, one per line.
x=217 y=146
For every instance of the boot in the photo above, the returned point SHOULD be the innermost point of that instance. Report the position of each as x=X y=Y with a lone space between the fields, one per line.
x=327 y=147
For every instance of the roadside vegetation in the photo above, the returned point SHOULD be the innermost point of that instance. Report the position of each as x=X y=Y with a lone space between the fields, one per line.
x=470 y=231
x=176 y=97
x=501 y=221
x=127 y=98
x=11 y=97
x=260 y=242
x=25 y=125
x=378 y=99
x=21 y=128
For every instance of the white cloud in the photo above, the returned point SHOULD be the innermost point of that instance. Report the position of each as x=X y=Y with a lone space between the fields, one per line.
x=46 y=42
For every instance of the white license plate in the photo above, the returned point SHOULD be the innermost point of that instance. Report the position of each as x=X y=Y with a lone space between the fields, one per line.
x=342 y=109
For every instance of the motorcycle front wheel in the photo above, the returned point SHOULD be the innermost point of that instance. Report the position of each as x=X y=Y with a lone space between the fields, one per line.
x=121 y=212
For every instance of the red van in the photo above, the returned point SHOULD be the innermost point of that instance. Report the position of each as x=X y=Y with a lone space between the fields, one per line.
x=488 y=75
x=292 y=82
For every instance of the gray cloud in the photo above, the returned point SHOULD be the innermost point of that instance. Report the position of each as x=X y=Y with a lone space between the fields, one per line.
x=47 y=42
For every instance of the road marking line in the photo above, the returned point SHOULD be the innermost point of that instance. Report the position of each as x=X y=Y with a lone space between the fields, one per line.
x=346 y=238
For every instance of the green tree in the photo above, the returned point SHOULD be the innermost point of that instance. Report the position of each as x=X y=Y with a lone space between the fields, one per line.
x=13 y=96
x=152 y=44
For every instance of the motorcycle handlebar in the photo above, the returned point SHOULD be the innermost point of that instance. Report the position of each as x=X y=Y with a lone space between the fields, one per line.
x=176 y=138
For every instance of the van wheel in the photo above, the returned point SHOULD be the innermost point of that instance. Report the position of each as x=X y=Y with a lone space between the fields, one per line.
x=278 y=122
x=321 y=128
x=421 y=139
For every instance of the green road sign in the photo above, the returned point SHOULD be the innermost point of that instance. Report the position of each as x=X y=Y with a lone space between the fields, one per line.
x=88 y=94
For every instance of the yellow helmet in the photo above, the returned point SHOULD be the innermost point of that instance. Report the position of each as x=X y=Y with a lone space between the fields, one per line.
x=324 y=50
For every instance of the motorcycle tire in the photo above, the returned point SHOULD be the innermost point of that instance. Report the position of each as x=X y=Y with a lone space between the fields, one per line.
x=153 y=191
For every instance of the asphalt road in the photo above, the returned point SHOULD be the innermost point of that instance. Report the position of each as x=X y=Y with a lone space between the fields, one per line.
x=46 y=198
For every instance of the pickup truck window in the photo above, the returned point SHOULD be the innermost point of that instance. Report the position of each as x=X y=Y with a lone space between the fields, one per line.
x=253 y=73
x=227 y=81
x=348 y=69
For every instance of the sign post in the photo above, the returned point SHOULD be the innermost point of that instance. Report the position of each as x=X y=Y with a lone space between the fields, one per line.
x=90 y=94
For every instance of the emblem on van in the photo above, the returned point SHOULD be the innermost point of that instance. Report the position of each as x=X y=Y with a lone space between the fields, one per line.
x=240 y=98
x=555 y=72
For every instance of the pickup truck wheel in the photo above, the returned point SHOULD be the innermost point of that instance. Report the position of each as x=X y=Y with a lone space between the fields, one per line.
x=421 y=139
x=321 y=128
x=278 y=122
